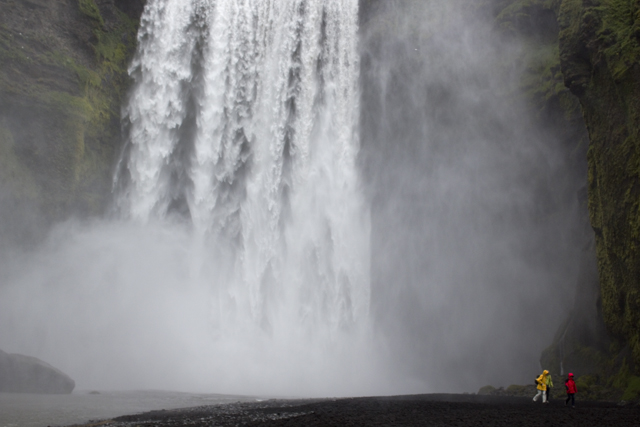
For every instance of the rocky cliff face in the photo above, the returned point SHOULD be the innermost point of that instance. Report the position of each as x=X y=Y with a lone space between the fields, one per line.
x=600 y=58
x=62 y=78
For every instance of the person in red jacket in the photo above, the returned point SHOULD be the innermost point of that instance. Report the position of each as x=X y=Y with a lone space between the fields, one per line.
x=570 y=385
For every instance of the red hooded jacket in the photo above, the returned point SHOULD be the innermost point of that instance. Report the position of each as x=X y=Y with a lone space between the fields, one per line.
x=570 y=384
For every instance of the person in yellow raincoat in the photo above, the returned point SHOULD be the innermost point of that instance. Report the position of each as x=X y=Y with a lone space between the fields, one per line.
x=542 y=387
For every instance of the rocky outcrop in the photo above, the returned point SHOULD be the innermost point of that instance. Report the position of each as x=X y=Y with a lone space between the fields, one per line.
x=62 y=79
x=25 y=374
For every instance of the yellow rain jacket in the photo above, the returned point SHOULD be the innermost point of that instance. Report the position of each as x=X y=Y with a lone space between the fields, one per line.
x=542 y=380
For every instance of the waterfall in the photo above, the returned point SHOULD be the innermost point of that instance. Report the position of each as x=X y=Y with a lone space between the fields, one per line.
x=237 y=256
x=242 y=122
x=255 y=247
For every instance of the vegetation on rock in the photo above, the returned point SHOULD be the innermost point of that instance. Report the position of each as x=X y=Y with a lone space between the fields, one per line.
x=63 y=77
x=600 y=52
x=597 y=54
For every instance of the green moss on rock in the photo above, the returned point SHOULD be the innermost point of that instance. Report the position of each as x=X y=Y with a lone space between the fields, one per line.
x=89 y=8
x=632 y=391
x=600 y=58
x=63 y=78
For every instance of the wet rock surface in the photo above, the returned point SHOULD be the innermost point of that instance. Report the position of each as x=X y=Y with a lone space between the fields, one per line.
x=25 y=374
x=427 y=410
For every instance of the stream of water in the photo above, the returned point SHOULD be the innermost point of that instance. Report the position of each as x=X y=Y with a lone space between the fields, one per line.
x=237 y=256
x=243 y=123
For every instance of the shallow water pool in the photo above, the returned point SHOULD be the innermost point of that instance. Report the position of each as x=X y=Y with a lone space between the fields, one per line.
x=35 y=410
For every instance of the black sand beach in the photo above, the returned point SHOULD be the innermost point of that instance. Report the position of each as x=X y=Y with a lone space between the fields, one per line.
x=417 y=410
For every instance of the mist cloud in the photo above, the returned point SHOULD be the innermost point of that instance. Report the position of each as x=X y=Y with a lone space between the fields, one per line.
x=476 y=224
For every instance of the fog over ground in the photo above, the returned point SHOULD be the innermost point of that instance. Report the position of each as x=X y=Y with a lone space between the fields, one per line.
x=447 y=264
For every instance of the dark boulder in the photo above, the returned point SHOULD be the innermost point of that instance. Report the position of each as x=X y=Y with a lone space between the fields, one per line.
x=26 y=374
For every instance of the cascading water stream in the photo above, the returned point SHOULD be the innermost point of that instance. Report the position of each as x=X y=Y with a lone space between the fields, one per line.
x=243 y=123
x=238 y=259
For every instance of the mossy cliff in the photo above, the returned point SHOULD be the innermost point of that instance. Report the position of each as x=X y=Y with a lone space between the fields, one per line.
x=600 y=59
x=596 y=52
x=62 y=76
x=597 y=55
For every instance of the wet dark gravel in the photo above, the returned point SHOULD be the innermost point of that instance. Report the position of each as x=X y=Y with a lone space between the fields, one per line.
x=421 y=410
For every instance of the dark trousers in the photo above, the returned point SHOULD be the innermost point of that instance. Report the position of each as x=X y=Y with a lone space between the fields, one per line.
x=548 y=392
x=570 y=397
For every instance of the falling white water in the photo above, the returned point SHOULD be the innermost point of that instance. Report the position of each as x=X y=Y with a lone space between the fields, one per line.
x=238 y=260
x=243 y=122
x=266 y=167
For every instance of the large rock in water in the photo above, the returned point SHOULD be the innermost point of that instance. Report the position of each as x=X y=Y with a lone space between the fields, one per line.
x=26 y=374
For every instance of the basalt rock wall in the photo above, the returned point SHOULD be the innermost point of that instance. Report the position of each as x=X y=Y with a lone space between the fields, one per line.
x=600 y=58
x=62 y=79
